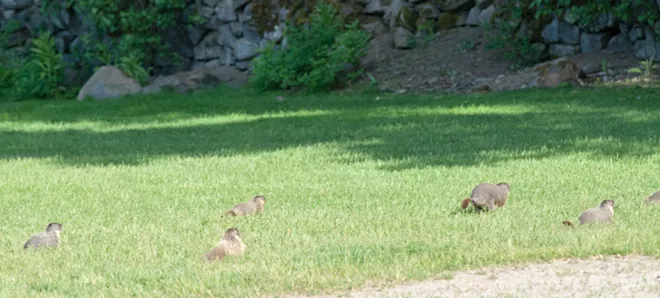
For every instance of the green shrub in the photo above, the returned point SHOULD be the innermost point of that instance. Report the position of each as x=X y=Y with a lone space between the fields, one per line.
x=314 y=55
x=42 y=73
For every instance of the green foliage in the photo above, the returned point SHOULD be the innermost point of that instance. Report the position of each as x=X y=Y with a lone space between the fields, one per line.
x=519 y=50
x=587 y=12
x=42 y=74
x=133 y=68
x=124 y=30
x=313 y=55
x=8 y=59
x=646 y=68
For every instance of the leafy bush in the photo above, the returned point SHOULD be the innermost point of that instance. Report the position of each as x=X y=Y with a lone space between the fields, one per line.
x=8 y=59
x=314 y=55
x=123 y=31
x=42 y=73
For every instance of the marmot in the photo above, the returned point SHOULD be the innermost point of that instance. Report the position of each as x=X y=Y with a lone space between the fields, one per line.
x=256 y=206
x=486 y=195
x=653 y=198
x=604 y=213
x=49 y=238
x=230 y=244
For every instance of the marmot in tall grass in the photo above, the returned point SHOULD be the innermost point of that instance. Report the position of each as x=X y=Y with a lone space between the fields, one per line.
x=49 y=238
x=487 y=196
x=254 y=206
x=604 y=213
x=653 y=198
x=230 y=245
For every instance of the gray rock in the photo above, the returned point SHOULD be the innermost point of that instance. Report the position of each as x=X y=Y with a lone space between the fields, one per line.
x=251 y=34
x=550 y=32
x=375 y=7
x=245 y=49
x=402 y=38
x=8 y=14
x=487 y=14
x=225 y=11
x=16 y=4
x=206 y=12
x=562 y=50
x=246 y=16
x=211 y=39
x=227 y=57
x=62 y=41
x=211 y=3
x=213 y=23
x=32 y=18
x=428 y=10
x=213 y=63
x=594 y=42
x=236 y=29
x=208 y=52
x=569 y=34
x=225 y=38
x=462 y=20
x=375 y=27
x=195 y=66
x=241 y=65
x=473 y=16
x=194 y=34
x=483 y=4
x=604 y=21
x=619 y=43
x=454 y=5
x=560 y=31
x=648 y=48
x=636 y=33
x=108 y=82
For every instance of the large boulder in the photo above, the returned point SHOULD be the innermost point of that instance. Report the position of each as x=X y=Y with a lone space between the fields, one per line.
x=108 y=82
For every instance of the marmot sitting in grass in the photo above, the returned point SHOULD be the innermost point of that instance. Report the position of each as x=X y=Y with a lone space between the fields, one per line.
x=49 y=238
x=230 y=245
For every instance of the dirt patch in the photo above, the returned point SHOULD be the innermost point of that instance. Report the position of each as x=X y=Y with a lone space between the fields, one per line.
x=457 y=61
x=633 y=276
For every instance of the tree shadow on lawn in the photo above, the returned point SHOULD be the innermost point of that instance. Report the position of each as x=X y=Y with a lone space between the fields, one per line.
x=407 y=141
x=170 y=107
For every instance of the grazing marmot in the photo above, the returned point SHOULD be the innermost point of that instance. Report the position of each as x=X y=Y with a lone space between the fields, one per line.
x=256 y=206
x=488 y=196
x=49 y=238
x=604 y=213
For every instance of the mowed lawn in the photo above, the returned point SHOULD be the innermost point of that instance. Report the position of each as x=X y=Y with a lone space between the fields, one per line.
x=360 y=187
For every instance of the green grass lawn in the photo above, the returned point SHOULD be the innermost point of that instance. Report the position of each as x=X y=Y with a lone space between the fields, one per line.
x=358 y=189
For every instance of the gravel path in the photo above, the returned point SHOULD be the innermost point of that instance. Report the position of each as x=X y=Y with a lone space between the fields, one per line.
x=632 y=276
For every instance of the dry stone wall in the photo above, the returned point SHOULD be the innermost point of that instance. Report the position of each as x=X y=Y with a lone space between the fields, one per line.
x=230 y=36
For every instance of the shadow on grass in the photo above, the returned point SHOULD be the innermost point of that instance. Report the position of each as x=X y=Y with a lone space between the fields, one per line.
x=597 y=122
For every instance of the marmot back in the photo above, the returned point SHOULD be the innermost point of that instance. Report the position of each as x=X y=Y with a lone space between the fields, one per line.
x=49 y=238
x=230 y=245
x=254 y=206
x=488 y=196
